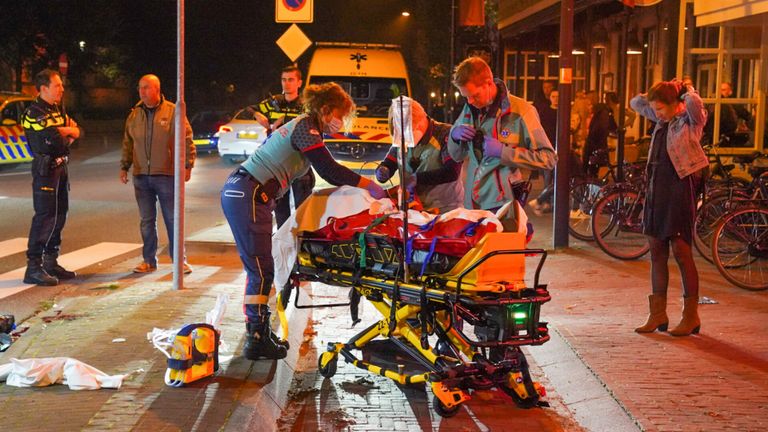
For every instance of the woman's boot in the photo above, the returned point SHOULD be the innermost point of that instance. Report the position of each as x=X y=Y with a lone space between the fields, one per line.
x=690 y=322
x=657 y=318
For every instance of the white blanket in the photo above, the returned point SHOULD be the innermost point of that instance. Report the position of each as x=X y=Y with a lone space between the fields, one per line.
x=41 y=372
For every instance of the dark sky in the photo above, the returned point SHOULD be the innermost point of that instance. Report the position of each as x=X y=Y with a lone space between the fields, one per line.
x=233 y=41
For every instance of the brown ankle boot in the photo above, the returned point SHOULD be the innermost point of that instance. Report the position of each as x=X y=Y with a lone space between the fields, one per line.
x=690 y=322
x=657 y=318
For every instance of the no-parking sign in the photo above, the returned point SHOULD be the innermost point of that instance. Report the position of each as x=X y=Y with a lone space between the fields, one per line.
x=294 y=11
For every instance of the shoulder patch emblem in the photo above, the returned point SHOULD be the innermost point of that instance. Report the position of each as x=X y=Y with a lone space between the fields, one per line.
x=505 y=133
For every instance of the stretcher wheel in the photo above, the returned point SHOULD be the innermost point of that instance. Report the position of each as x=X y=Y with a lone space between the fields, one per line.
x=330 y=368
x=529 y=402
x=444 y=411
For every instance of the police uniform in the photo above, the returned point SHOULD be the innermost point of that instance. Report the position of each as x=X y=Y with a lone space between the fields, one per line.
x=50 y=183
x=274 y=109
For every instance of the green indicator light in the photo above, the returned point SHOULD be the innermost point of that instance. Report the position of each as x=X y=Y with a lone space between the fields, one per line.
x=519 y=315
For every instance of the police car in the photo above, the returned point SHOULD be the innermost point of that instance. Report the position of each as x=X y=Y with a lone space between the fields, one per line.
x=13 y=143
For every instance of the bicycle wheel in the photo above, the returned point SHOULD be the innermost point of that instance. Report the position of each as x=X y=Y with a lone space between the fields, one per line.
x=617 y=221
x=583 y=195
x=707 y=218
x=740 y=248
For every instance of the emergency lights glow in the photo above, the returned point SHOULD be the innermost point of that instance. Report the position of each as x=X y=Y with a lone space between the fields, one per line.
x=224 y=128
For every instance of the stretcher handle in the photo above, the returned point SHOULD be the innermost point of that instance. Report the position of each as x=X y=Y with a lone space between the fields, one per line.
x=487 y=256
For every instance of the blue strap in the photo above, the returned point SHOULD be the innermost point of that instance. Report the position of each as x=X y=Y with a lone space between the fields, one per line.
x=470 y=228
x=429 y=256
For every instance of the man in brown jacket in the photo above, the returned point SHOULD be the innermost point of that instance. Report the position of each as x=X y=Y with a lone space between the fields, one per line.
x=148 y=146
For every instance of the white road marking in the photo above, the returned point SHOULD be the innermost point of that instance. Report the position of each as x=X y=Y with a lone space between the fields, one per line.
x=12 y=246
x=11 y=282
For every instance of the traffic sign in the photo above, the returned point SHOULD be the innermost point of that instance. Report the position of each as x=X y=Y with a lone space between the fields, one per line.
x=294 y=42
x=294 y=11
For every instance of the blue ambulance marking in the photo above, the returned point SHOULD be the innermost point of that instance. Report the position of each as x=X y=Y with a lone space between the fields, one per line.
x=2 y=155
x=10 y=152
x=3 y=139
x=20 y=150
x=14 y=139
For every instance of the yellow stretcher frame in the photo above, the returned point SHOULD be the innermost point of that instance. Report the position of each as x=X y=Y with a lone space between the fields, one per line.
x=475 y=281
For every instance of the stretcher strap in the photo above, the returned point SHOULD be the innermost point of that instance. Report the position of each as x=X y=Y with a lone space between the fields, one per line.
x=361 y=238
x=429 y=256
x=409 y=246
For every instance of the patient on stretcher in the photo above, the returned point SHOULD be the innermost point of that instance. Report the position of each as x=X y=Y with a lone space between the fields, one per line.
x=343 y=228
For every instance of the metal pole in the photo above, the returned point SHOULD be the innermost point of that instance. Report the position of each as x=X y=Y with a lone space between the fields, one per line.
x=403 y=192
x=450 y=100
x=622 y=83
x=563 y=143
x=180 y=160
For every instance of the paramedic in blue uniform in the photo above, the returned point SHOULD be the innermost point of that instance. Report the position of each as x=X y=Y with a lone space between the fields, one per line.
x=249 y=194
x=49 y=133
x=272 y=113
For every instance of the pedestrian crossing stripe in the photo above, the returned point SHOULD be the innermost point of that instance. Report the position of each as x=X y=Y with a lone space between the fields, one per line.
x=13 y=145
x=11 y=282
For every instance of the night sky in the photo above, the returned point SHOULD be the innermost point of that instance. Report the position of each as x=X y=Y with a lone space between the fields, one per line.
x=233 y=41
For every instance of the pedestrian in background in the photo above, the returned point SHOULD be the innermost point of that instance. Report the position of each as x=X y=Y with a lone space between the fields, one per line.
x=50 y=132
x=601 y=125
x=431 y=174
x=676 y=163
x=148 y=146
x=249 y=194
x=495 y=135
x=272 y=113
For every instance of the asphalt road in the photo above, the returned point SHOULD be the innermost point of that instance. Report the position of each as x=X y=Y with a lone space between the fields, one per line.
x=101 y=208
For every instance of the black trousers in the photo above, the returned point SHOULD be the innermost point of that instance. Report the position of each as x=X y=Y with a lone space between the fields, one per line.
x=50 y=198
x=301 y=189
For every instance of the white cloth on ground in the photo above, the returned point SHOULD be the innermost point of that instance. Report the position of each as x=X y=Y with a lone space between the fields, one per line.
x=41 y=372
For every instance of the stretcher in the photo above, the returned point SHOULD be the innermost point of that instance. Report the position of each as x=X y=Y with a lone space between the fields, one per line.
x=462 y=314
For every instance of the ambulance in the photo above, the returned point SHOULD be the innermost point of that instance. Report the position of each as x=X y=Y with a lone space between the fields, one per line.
x=373 y=74
x=13 y=143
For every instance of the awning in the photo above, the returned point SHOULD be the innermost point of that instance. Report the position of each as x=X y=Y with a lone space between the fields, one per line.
x=521 y=16
x=709 y=12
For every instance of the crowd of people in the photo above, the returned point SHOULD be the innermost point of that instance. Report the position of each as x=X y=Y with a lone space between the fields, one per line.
x=475 y=163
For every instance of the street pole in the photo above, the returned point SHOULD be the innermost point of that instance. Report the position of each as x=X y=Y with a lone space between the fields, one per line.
x=178 y=166
x=622 y=83
x=563 y=142
x=450 y=101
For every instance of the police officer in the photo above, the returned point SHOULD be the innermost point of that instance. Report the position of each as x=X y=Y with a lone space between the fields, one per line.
x=272 y=113
x=49 y=132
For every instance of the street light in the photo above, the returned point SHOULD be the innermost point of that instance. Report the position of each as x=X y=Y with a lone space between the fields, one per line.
x=406 y=14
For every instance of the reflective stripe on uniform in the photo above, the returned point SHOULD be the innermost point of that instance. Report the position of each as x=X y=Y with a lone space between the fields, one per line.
x=256 y=299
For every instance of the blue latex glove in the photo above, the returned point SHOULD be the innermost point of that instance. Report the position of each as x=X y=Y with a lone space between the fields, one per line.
x=382 y=174
x=463 y=133
x=492 y=147
x=375 y=190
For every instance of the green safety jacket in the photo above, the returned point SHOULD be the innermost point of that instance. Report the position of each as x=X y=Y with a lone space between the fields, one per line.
x=490 y=181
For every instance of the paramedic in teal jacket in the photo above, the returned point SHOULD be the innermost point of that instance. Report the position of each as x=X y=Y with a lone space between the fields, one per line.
x=495 y=135
x=249 y=194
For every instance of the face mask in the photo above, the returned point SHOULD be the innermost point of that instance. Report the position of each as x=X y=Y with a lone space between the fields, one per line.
x=334 y=125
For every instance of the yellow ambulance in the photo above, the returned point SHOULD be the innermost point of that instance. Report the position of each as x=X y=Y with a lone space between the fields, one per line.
x=373 y=74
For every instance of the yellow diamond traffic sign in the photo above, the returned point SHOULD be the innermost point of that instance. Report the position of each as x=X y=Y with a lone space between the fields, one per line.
x=294 y=42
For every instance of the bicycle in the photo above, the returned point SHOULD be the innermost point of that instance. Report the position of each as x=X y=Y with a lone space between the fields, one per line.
x=585 y=191
x=740 y=247
x=617 y=222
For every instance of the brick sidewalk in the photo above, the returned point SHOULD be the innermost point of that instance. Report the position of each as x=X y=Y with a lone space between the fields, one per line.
x=284 y=395
x=715 y=381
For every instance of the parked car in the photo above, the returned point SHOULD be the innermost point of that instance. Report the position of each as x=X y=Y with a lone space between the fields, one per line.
x=241 y=136
x=205 y=124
